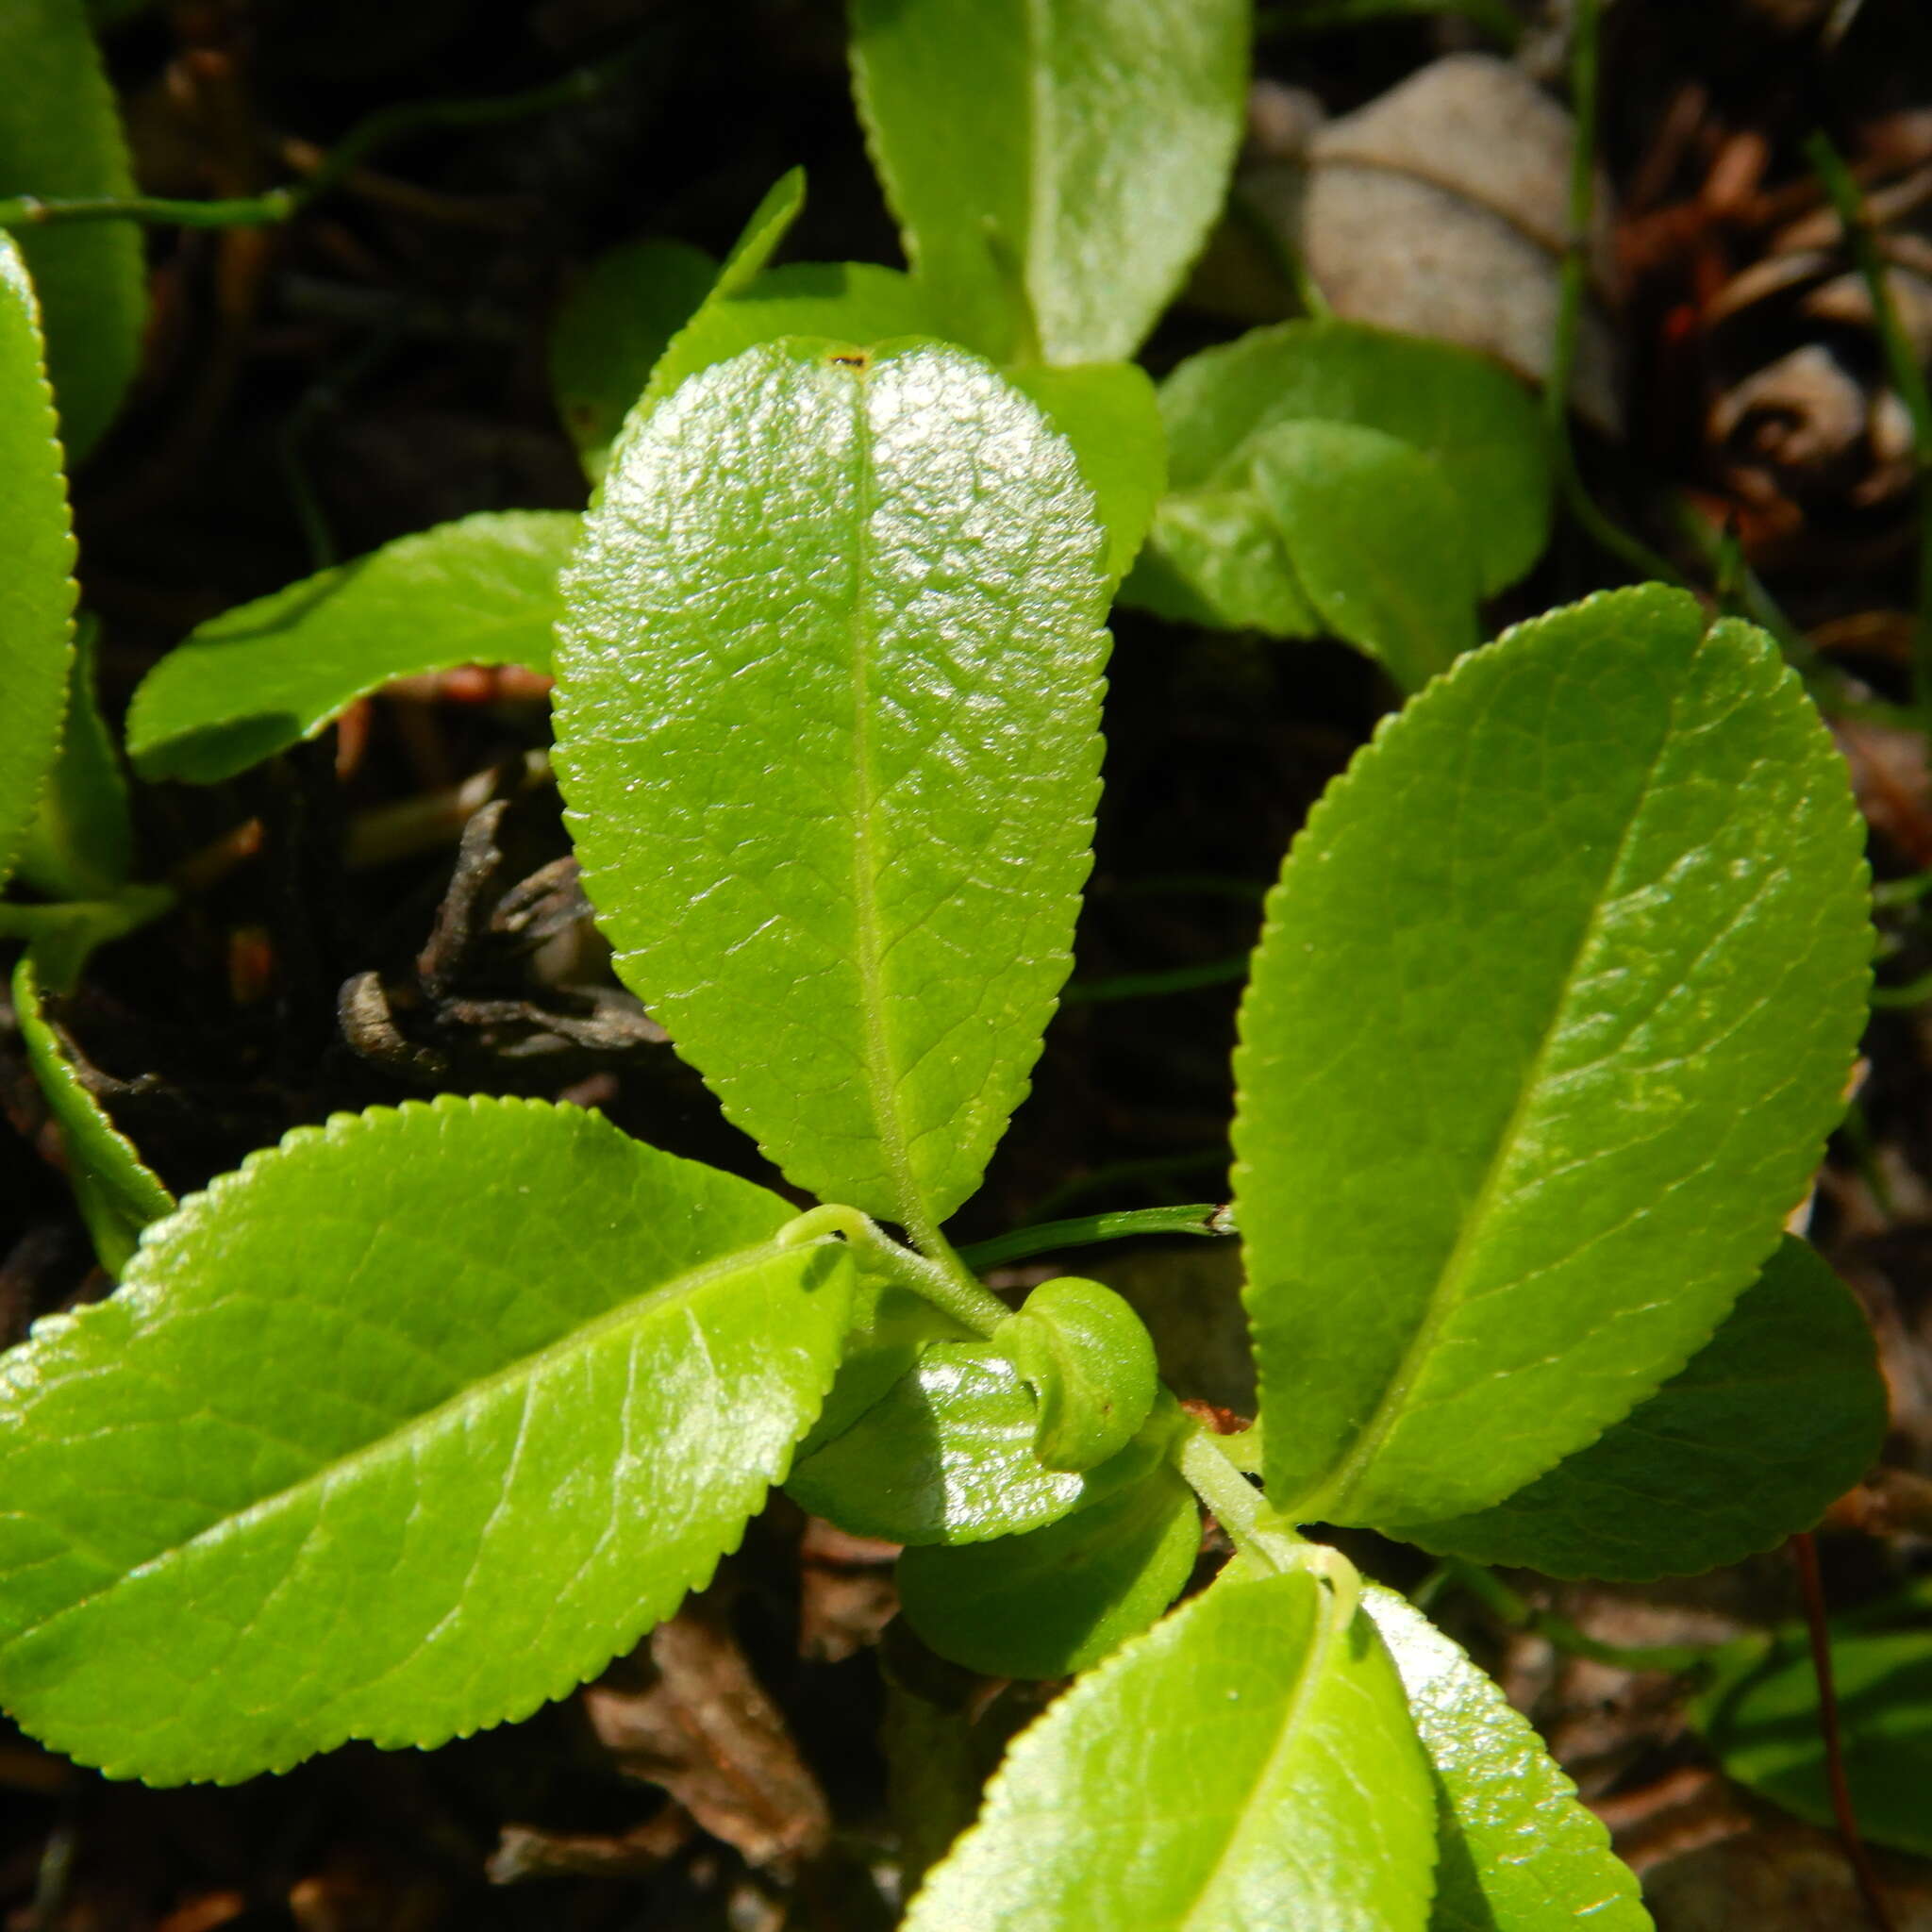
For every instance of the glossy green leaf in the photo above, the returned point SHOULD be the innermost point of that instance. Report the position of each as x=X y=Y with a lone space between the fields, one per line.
x=1472 y=417
x=771 y=222
x=1090 y=1361
x=1761 y=1718
x=612 y=332
x=37 y=591
x=81 y=843
x=1248 y=1763
x=946 y=1456
x=1553 y=1007
x=1054 y=165
x=834 y=638
x=1109 y=413
x=412 y=1423
x=267 y=674
x=1778 y=1414
x=1057 y=1600
x=1519 y=1852
x=60 y=137
x=892 y=1327
x=1377 y=542
x=855 y=302
x=117 y=1193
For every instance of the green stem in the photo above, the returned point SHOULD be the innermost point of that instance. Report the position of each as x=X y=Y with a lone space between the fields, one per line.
x=1202 y=1218
x=1496 y=1597
x=282 y=204
x=944 y=1281
x=1572 y=286
x=1118 y=1173
x=1140 y=986
x=1236 y=1504
x=1907 y=378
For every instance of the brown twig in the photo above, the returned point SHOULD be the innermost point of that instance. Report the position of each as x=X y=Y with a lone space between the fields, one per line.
x=1804 y=1554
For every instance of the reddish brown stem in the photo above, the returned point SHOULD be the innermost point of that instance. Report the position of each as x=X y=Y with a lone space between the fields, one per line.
x=1804 y=1554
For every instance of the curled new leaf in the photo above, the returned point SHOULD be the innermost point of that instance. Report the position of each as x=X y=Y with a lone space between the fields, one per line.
x=833 y=637
x=1090 y=1362
x=1552 y=1012
x=267 y=674
x=415 y=1420
x=1247 y=1762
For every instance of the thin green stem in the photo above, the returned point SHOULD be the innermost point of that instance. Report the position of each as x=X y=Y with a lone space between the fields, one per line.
x=282 y=204
x=1914 y=992
x=1115 y=1173
x=950 y=1288
x=1201 y=1218
x=1571 y=286
x=1907 y=378
x=1496 y=1597
x=1236 y=1504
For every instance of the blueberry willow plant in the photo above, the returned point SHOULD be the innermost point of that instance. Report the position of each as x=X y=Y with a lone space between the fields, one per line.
x=421 y=1417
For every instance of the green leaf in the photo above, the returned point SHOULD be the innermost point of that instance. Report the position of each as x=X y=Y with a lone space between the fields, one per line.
x=117 y=1193
x=834 y=638
x=1109 y=413
x=1217 y=558
x=1553 y=1007
x=853 y=302
x=81 y=843
x=1248 y=1763
x=1057 y=1600
x=411 y=1424
x=267 y=674
x=1054 y=165
x=1090 y=1361
x=1518 y=1853
x=60 y=137
x=892 y=1327
x=946 y=1456
x=1377 y=541
x=771 y=222
x=1777 y=1416
x=1477 y=420
x=37 y=591
x=1762 y=1720
x=63 y=936
x=612 y=332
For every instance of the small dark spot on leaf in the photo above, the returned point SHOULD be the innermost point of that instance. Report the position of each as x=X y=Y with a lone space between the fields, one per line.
x=857 y=359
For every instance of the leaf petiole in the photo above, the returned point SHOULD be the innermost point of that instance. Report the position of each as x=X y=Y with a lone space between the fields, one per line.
x=950 y=1288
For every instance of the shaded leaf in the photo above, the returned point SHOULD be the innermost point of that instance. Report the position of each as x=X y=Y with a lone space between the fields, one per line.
x=834 y=635
x=610 y=333
x=61 y=138
x=1377 y=541
x=853 y=302
x=1109 y=413
x=81 y=843
x=117 y=1193
x=1216 y=554
x=1762 y=1718
x=1059 y=1599
x=1777 y=1416
x=1215 y=1772
x=267 y=674
x=1054 y=165
x=412 y=1423
x=946 y=1456
x=37 y=591
x=1552 y=1010
x=1519 y=1851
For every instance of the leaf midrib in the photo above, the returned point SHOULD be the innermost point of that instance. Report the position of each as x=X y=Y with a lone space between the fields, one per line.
x=425 y=1423
x=1445 y=1298
x=869 y=949
x=1287 y=1737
